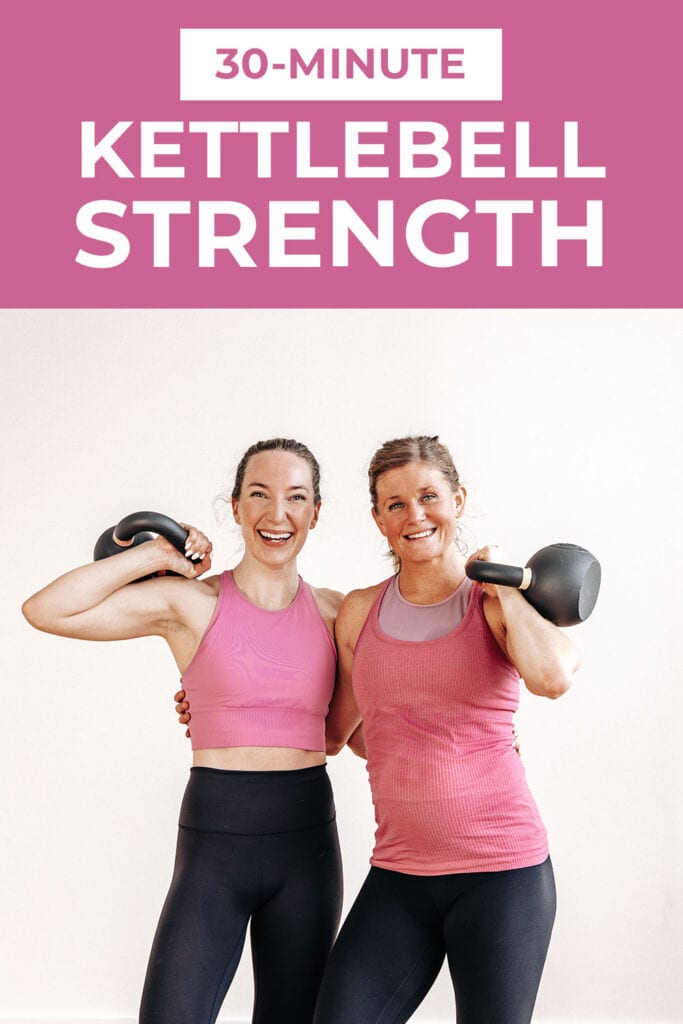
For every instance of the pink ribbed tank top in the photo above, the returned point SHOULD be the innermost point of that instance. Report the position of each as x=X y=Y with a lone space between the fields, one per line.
x=449 y=790
x=261 y=678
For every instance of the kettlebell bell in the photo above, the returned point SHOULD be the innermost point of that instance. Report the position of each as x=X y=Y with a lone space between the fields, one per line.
x=560 y=581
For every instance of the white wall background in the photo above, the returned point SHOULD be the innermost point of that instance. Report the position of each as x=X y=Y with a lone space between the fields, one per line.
x=566 y=425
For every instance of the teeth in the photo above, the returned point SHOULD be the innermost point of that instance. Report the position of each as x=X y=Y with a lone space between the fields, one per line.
x=416 y=536
x=275 y=536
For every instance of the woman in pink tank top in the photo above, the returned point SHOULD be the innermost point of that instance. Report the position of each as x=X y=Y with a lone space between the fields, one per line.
x=257 y=842
x=432 y=665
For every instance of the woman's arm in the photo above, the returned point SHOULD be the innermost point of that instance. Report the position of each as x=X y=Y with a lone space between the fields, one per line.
x=356 y=741
x=343 y=719
x=94 y=601
x=544 y=656
x=328 y=602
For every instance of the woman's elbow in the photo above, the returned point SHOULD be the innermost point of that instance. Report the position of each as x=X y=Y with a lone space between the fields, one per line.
x=556 y=687
x=334 y=740
x=35 y=614
x=552 y=683
x=30 y=609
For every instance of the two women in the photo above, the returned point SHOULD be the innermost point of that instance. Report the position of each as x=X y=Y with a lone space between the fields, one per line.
x=460 y=866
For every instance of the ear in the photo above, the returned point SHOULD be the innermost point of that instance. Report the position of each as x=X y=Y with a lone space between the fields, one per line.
x=235 y=512
x=460 y=497
x=316 y=513
x=378 y=522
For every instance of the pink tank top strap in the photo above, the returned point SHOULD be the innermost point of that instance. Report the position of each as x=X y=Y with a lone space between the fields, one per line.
x=308 y=598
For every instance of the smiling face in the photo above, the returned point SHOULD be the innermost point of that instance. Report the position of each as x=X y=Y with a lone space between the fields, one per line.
x=276 y=507
x=418 y=512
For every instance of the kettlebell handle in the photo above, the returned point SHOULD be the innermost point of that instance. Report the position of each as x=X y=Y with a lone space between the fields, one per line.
x=504 y=575
x=125 y=531
x=138 y=528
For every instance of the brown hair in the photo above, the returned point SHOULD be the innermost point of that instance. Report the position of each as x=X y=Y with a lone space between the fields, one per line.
x=401 y=452
x=404 y=450
x=278 y=444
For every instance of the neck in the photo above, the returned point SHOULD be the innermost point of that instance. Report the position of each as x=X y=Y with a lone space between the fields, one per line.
x=431 y=582
x=269 y=587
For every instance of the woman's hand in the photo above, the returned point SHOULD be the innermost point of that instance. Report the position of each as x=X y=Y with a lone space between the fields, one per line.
x=182 y=710
x=197 y=544
x=489 y=553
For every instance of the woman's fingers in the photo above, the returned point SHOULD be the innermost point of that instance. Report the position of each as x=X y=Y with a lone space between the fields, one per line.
x=197 y=544
x=182 y=709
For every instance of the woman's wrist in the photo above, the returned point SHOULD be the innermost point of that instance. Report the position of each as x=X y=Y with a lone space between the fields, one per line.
x=509 y=597
x=144 y=560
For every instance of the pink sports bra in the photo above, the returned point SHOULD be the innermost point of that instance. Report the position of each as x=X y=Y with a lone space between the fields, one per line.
x=261 y=678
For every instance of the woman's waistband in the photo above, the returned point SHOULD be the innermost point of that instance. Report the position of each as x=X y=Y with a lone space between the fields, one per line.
x=256 y=803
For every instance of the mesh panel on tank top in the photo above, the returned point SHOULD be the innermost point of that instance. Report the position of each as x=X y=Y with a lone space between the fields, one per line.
x=404 y=620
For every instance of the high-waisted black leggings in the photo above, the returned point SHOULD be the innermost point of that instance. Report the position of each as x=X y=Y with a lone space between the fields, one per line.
x=252 y=846
x=494 y=927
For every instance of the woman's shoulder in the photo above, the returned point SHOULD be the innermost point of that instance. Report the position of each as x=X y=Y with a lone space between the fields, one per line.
x=354 y=610
x=328 y=603
x=211 y=584
x=191 y=598
x=363 y=596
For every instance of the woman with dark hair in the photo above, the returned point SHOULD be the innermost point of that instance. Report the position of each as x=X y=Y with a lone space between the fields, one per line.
x=257 y=841
x=460 y=868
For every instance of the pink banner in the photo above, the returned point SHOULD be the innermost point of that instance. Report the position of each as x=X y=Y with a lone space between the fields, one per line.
x=325 y=158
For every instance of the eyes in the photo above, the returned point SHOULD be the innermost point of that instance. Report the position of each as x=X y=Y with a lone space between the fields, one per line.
x=292 y=497
x=425 y=499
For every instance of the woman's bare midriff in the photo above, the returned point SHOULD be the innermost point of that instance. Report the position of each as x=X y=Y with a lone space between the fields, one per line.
x=257 y=759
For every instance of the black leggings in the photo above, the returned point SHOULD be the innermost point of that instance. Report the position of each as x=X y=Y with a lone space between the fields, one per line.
x=252 y=846
x=494 y=927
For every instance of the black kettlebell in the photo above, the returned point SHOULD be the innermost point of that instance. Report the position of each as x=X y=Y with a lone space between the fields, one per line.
x=132 y=530
x=560 y=581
